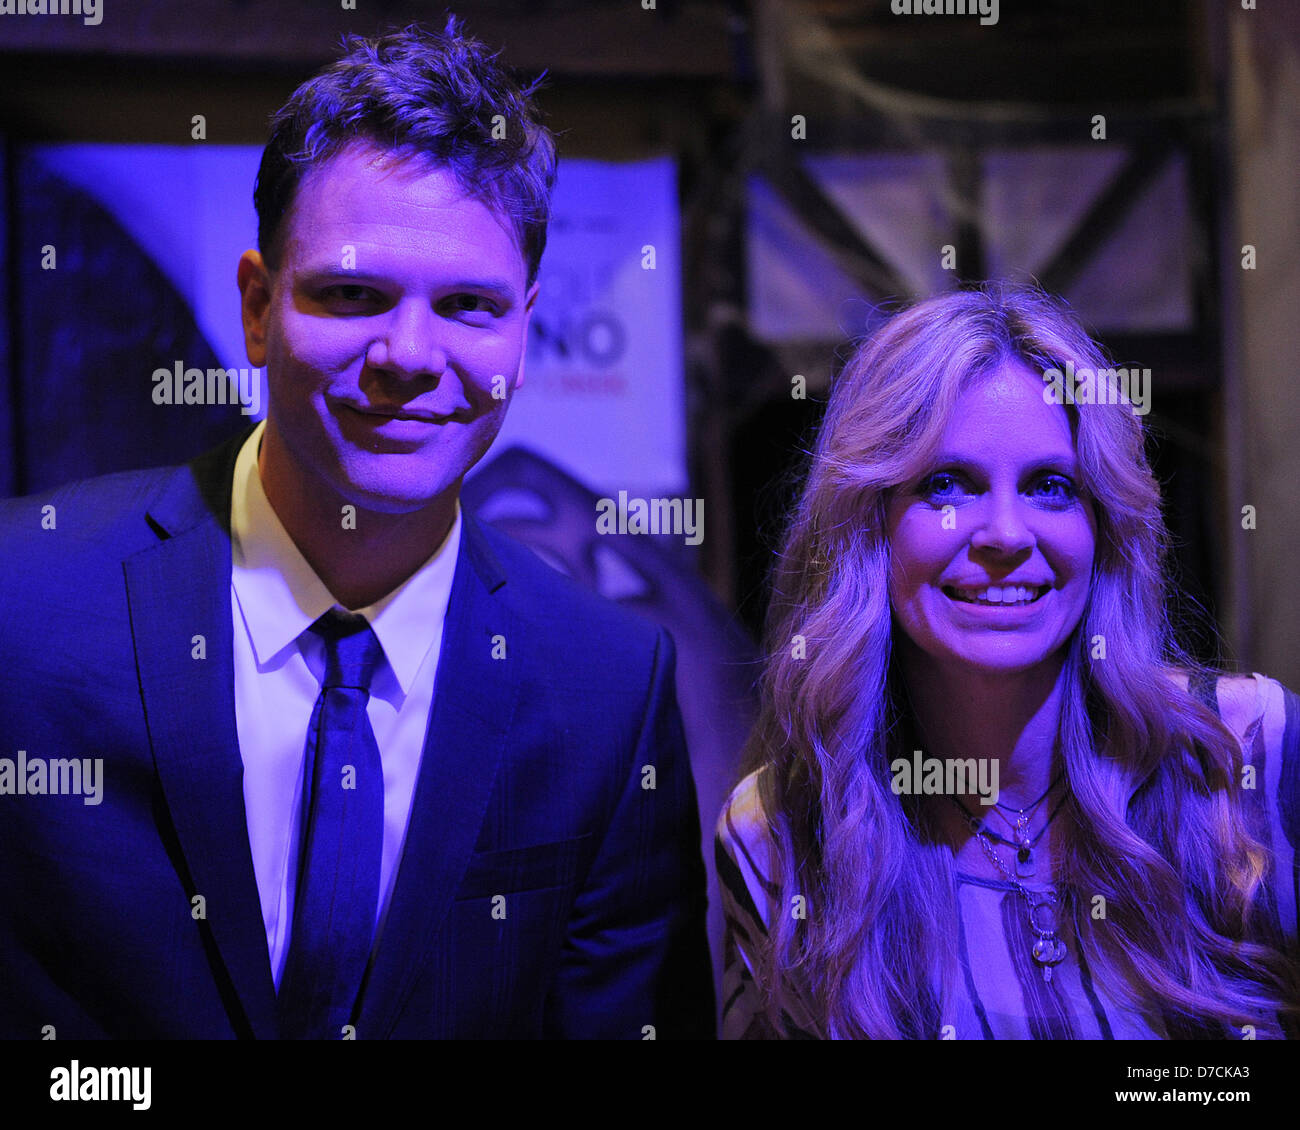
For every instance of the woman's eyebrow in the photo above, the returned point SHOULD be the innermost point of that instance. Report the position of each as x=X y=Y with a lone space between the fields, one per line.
x=1042 y=463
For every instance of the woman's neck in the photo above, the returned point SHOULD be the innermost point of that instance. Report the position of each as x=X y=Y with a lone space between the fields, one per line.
x=1011 y=719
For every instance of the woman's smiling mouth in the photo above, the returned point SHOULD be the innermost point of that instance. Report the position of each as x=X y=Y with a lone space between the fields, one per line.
x=997 y=596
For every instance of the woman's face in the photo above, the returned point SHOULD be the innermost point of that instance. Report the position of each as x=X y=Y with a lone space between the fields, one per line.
x=992 y=545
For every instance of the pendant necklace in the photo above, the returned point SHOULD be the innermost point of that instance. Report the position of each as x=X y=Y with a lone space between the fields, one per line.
x=1020 y=830
x=1023 y=843
x=1048 y=949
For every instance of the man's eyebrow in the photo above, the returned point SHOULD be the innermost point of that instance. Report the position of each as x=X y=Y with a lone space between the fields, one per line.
x=311 y=276
x=501 y=287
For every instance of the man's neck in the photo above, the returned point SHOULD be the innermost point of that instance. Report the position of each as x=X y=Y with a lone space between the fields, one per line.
x=360 y=556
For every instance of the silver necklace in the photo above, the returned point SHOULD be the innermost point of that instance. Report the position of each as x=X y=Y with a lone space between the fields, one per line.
x=1023 y=843
x=1020 y=830
x=1048 y=950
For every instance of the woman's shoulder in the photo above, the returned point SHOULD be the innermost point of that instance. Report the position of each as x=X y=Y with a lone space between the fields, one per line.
x=1251 y=706
x=743 y=820
x=1268 y=722
x=1244 y=701
x=1255 y=708
x=744 y=844
x=1264 y=715
x=1268 y=725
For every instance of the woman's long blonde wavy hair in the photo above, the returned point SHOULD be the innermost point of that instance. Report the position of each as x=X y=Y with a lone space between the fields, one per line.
x=1154 y=821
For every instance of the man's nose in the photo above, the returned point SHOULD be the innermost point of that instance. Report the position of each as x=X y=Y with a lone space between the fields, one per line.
x=411 y=344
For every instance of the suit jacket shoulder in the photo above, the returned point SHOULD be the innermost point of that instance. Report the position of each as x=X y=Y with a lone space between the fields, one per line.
x=582 y=623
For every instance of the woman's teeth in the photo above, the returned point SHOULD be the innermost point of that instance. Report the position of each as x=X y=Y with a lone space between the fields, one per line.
x=999 y=594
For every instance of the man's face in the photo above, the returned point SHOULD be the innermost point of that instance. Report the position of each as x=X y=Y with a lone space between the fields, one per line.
x=393 y=332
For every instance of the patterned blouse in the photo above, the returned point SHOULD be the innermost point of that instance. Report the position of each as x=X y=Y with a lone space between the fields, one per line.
x=1003 y=994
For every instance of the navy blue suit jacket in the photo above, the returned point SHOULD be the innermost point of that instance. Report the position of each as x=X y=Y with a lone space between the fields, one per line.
x=531 y=786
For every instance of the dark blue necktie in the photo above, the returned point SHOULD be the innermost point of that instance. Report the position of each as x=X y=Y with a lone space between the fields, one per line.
x=341 y=842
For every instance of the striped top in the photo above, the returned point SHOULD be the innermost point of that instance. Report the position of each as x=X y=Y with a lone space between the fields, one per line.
x=1002 y=993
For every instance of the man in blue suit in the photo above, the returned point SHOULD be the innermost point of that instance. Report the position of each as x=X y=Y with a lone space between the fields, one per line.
x=369 y=769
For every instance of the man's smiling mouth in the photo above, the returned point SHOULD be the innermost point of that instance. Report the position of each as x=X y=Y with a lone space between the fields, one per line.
x=390 y=412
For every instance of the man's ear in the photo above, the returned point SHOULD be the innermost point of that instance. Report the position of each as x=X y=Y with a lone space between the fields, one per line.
x=529 y=302
x=254 y=304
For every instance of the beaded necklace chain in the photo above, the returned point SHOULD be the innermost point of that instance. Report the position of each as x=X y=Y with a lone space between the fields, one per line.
x=1023 y=843
x=1048 y=949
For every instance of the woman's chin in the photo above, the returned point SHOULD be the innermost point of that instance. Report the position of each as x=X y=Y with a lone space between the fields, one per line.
x=1010 y=658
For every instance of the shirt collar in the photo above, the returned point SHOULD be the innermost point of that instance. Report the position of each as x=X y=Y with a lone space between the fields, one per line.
x=280 y=596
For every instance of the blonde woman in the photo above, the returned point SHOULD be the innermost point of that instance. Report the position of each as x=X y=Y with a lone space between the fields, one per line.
x=989 y=796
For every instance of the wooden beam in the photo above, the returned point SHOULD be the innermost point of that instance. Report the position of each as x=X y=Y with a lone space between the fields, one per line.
x=610 y=39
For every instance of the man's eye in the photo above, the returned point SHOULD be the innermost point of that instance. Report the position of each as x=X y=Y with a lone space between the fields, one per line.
x=470 y=304
x=350 y=294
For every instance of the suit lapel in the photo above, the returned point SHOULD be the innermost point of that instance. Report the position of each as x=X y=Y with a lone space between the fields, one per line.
x=180 y=589
x=177 y=590
x=474 y=703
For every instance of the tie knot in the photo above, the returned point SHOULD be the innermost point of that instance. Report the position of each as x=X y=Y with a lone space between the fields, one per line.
x=352 y=650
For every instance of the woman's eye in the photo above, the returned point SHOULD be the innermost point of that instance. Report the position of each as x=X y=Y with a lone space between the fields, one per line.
x=1057 y=488
x=941 y=484
x=1054 y=490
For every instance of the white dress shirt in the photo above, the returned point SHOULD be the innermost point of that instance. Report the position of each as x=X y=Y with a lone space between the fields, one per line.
x=275 y=597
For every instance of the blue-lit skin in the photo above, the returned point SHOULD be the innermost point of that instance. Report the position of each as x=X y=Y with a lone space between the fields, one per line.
x=382 y=374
